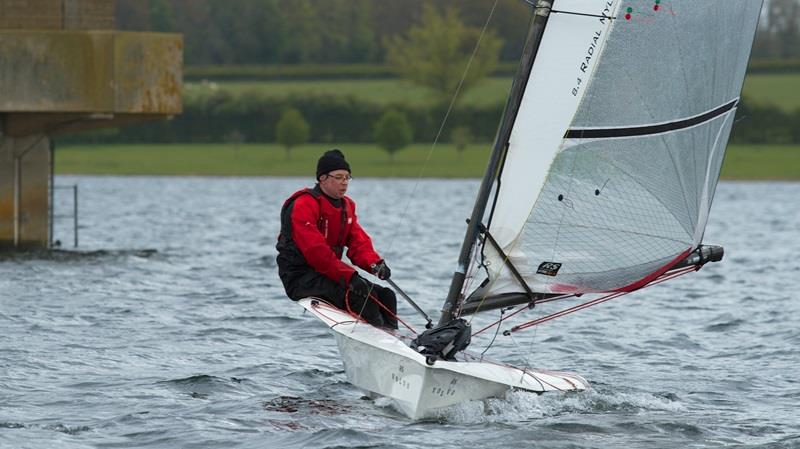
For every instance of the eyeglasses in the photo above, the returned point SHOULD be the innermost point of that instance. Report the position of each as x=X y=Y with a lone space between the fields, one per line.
x=341 y=178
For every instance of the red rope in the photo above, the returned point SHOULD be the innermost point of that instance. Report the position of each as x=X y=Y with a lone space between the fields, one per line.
x=321 y=302
x=499 y=321
x=377 y=301
x=665 y=277
x=538 y=301
x=561 y=313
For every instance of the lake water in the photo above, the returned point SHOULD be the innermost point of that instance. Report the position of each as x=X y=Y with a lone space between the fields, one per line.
x=169 y=328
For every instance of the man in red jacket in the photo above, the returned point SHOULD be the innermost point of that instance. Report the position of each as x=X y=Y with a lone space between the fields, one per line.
x=316 y=226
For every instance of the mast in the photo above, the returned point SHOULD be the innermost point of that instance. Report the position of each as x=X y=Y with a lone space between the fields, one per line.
x=541 y=14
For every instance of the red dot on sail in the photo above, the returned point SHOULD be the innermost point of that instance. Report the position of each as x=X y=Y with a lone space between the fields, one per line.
x=656 y=7
x=627 y=17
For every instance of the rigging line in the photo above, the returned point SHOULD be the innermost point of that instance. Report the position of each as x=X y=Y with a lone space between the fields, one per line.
x=522 y=309
x=571 y=13
x=506 y=263
x=371 y=297
x=598 y=300
x=527 y=360
x=335 y=323
x=488 y=288
x=363 y=305
x=528 y=355
x=446 y=116
x=497 y=323
x=470 y=276
x=564 y=312
x=498 y=180
x=497 y=331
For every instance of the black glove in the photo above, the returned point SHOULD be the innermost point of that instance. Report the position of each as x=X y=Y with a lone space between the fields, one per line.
x=381 y=270
x=359 y=286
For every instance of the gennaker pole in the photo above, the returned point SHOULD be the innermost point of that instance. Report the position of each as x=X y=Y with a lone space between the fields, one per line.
x=535 y=33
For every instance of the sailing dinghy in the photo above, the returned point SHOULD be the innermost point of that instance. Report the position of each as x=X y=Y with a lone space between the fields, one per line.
x=600 y=183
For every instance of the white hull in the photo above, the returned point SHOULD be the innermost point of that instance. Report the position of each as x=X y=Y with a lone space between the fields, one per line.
x=381 y=363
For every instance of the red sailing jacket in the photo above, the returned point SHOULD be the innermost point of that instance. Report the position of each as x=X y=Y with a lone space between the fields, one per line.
x=320 y=231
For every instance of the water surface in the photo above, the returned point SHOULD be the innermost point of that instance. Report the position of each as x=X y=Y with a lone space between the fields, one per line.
x=169 y=328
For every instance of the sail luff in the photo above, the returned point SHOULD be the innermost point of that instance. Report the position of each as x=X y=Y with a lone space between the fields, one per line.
x=536 y=30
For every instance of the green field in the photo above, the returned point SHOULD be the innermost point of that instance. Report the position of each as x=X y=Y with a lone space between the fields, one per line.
x=743 y=162
x=266 y=160
x=782 y=90
x=382 y=91
x=762 y=162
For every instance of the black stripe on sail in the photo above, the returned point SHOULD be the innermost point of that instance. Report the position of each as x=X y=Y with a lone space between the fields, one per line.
x=604 y=133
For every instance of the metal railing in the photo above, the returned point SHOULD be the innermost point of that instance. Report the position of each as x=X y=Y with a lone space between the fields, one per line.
x=73 y=215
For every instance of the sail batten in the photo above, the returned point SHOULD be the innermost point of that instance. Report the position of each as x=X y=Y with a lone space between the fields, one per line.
x=616 y=149
x=656 y=128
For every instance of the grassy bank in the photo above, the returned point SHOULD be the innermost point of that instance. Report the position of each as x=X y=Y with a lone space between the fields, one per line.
x=489 y=91
x=266 y=160
x=770 y=162
x=778 y=89
x=743 y=162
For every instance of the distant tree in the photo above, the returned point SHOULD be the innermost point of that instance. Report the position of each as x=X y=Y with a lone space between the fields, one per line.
x=510 y=20
x=393 y=132
x=784 y=27
x=778 y=33
x=303 y=39
x=292 y=130
x=131 y=15
x=306 y=31
x=235 y=138
x=436 y=52
x=461 y=137
x=161 y=17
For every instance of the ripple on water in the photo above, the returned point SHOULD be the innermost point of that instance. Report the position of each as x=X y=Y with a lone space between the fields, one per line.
x=202 y=386
x=724 y=326
x=58 y=427
x=294 y=404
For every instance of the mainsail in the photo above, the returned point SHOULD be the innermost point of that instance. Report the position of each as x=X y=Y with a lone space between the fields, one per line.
x=609 y=169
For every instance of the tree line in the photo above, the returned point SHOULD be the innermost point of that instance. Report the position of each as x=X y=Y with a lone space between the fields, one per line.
x=360 y=31
x=307 y=31
x=221 y=117
x=439 y=36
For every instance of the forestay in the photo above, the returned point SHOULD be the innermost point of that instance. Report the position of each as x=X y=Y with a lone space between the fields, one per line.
x=617 y=146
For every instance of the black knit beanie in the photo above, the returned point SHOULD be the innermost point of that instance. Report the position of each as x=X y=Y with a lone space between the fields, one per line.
x=330 y=161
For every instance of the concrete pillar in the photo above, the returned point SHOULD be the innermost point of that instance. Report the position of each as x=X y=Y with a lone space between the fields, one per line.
x=24 y=192
x=64 y=69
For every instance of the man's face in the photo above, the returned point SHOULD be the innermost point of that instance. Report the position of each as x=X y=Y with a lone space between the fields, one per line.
x=335 y=183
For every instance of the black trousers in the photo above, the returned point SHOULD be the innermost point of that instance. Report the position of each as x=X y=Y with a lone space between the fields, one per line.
x=379 y=310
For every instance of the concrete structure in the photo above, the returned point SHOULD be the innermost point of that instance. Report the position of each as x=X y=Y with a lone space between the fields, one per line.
x=64 y=69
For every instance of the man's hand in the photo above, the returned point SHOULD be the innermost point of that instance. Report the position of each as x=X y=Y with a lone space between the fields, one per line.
x=358 y=286
x=381 y=270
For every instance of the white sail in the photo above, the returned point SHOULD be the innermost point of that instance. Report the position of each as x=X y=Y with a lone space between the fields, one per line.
x=616 y=150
